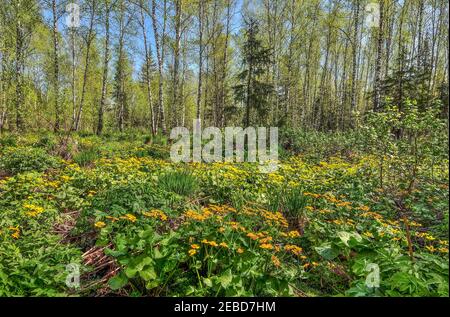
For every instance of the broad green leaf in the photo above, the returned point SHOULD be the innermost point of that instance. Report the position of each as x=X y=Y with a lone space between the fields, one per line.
x=118 y=281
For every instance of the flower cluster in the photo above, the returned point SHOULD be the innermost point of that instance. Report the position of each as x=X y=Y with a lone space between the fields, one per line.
x=157 y=214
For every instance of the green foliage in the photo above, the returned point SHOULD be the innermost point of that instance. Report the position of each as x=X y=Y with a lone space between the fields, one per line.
x=180 y=182
x=16 y=160
x=8 y=140
x=291 y=202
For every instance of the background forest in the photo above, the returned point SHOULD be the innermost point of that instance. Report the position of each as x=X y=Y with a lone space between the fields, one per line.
x=158 y=64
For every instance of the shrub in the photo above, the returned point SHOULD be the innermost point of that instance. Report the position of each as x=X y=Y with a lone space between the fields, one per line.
x=23 y=159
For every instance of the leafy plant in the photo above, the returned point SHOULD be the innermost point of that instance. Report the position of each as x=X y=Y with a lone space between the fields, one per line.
x=22 y=159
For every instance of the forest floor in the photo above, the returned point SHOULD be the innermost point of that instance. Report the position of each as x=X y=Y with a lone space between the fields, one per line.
x=131 y=222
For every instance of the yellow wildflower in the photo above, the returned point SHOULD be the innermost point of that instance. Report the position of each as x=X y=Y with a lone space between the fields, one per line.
x=311 y=194
x=429 y=237
x=276 y=261
x=99 y=224
x=211 y=243
x=16 y=233
x=33 y=210
x=66 y=178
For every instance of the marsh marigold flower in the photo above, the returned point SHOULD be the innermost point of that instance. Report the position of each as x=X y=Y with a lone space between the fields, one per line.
x=266 y=239
x=430 y=248
x=32 y=210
